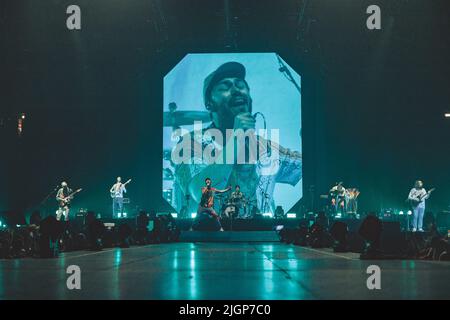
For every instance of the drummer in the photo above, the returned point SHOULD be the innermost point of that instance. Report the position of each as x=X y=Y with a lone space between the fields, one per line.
x=237 y=198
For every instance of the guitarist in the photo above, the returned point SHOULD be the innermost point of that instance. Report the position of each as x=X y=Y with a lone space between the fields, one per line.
x=117 y=191
x=417 y=197
x=62 y=196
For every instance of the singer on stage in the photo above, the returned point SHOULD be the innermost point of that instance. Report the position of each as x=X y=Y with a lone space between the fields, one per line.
x=227 y=97
x=207 y=201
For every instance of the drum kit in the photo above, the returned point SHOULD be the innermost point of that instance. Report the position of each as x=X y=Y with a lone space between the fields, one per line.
x=342 y=201
x=175 y=119
x=235 y=208
x=351 y=202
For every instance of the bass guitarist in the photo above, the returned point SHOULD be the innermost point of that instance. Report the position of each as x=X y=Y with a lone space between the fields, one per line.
x=63 y=196
x=417 y=197
x=117 y=191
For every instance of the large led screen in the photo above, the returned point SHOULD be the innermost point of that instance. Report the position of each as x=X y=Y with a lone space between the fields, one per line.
x=234 y=118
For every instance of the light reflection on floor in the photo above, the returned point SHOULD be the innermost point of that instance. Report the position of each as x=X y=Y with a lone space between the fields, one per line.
x=220 y=271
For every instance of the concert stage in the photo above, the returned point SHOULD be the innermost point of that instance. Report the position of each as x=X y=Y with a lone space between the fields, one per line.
x=229 y=236
x=225 y=149
x=257 y=224
x=221 y=271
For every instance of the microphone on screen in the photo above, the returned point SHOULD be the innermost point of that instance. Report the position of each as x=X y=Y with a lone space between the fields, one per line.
x=262 y=116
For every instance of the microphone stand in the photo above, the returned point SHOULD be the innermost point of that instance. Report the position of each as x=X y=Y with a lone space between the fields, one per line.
x=231 y=214
x=44 y=201
x=231 y=219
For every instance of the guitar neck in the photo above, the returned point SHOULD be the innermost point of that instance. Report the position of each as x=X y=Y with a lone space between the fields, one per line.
x=73 y=193
x=428 y=193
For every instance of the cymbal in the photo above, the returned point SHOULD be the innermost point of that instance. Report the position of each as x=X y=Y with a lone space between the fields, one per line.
x=167 y=154
x=184 y=118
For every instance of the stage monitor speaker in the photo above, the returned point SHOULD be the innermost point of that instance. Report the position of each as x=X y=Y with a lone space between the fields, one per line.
x=355 y=242
x=353 y=225
x=206 y=223
x=354 y=239
x=393 y=241
x=371 y=228
x=339 y=231
x=443 y=220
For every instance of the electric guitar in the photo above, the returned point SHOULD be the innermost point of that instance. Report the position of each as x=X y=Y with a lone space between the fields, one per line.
x=113 y=192
x=415 y=202
x=65 y=201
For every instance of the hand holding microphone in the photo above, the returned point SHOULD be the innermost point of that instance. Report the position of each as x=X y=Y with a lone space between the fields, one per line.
x=244 y=121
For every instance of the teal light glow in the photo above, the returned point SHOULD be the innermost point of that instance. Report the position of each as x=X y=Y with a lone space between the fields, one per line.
x=118 y=257
x=193 y=276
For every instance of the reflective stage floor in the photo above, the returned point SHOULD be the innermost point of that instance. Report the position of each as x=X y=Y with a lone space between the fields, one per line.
x=221 y=271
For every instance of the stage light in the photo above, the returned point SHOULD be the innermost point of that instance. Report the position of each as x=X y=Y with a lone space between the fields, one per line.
x=124 y=215
x=447 y=115
x=302 y=235
x=409 y=212
x=51 y=231
x=401 y=212
x=174 y=215
x=22 y=116
x=125 y=233
x=94 y=231
x=166 y=229
x=19 y=126
x=339 y=232
x=267 y=214
x=370 y=230
x=338 y=215
x=317 y=237
x=291 y=215
x=194 y=215
x=109 y=225
x=143 y=226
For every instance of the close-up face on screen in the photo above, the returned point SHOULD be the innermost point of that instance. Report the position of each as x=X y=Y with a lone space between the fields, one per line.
x=225 y=158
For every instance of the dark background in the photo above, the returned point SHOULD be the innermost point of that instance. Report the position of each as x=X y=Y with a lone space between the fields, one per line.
x=373 y=101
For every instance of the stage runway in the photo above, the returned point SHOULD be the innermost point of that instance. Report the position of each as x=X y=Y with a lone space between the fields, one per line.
x=221 y=271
